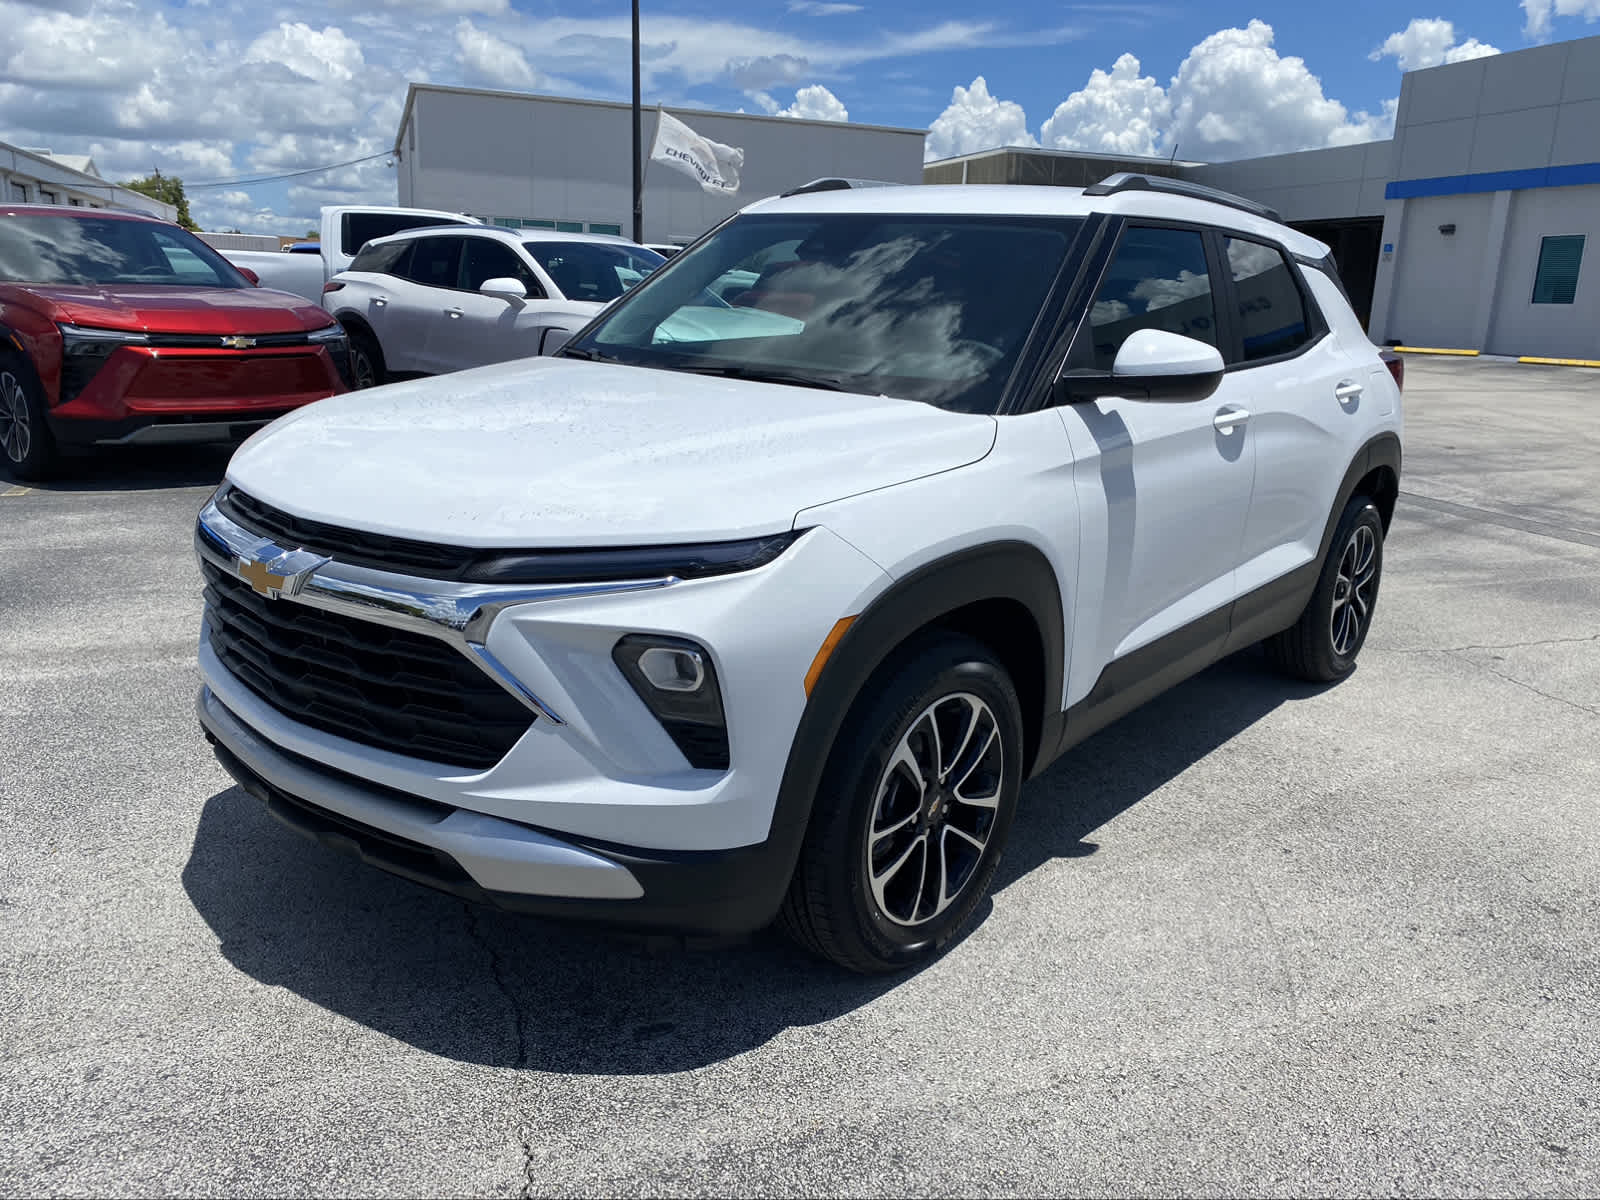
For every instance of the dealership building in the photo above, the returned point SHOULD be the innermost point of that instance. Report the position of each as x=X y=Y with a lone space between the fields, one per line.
x=1477 y=226
x=553 y=163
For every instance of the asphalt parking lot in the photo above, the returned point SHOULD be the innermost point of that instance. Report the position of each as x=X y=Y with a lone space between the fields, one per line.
x=1258 y=938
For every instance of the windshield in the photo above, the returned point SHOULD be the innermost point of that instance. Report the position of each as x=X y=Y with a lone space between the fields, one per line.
x=594 y=270
x=99 y=250
x=930 y=308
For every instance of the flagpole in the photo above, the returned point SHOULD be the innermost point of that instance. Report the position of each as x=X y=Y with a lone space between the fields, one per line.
x=638 y=148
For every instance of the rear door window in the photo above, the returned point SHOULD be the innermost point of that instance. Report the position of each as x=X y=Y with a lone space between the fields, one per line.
x=1272 y=311
x=1157 y=279
x=434 y=262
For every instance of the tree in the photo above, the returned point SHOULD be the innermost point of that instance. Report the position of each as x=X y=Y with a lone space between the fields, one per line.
x=169 y=190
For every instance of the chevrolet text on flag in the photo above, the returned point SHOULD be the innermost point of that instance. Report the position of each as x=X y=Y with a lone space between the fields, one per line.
x=712 y=165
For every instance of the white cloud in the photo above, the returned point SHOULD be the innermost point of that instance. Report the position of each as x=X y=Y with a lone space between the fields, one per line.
x=1117 y=113
x=821 y=8
x=1541 y=13
x=327 y=56
x=1163 y=293
x=814 y=103
x=493 y=60
x=433 y=7
x=1428 y=42
x=1235 y=97
x=975 y=121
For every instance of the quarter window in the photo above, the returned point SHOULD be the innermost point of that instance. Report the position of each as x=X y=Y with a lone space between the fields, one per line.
x=1272 y=312
x=385 y=259
x=434 y=262
x=1556 y=280
x=1158 y=279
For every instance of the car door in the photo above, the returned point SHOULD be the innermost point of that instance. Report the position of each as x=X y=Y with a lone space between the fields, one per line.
x=415 y=311
x=1304 y=392
x=478 y=328
x=1163 y=488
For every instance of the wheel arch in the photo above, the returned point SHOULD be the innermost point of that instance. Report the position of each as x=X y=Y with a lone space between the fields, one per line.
x=1374 y=472
x=1003 y=594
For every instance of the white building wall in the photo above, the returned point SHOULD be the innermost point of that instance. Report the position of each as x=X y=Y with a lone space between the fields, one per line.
x=1312 y=185
x=502 y=154
x=29 y=178
x=1510 y=148
x=1519 y=326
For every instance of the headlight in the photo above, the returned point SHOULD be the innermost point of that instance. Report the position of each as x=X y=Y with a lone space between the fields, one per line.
x=84 y=351
x=326 y=335
x=630 y=562
x=675 y=679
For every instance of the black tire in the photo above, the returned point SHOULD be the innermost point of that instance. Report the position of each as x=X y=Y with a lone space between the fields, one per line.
x=367 y=367
x=1322 y=645
x=832 y=907
x=27 y=448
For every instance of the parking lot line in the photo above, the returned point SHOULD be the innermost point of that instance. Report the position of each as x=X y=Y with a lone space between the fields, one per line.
x=15 y=491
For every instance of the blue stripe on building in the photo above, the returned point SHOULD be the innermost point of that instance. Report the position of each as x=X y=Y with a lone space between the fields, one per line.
x=1494 y=181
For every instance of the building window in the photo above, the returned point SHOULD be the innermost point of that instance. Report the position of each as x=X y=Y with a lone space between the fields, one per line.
x=75 y=202
x=613 y=230
x=538 y=224
x=569 y=226
x=19 y=192
x=1556 y=280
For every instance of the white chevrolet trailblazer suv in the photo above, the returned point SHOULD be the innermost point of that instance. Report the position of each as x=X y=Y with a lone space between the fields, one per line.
x=446 y=298
x=764 y=603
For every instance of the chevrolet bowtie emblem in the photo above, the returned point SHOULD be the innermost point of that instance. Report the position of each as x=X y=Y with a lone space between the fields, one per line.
x=238 y=343
x=272 y=571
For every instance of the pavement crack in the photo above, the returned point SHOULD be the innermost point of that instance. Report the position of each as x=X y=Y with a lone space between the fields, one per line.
x=519 y=1024
x=1583 y=708
x=1571 y=641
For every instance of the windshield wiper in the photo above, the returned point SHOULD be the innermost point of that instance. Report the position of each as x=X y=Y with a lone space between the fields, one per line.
x=579 y=352
x=764 y=375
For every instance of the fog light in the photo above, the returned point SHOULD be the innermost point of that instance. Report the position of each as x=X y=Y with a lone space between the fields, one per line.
x=678 y=683
x=673 y=670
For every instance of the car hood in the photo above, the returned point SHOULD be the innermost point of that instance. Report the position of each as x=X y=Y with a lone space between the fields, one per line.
x=162 y=309
x=556 y=452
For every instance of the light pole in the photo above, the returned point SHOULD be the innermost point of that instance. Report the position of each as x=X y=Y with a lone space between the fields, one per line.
x=638 y=145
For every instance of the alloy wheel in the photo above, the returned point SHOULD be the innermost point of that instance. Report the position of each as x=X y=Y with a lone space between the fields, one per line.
x=361 y=368
x=16 y=429
x=935 y=809
x=1354 y=588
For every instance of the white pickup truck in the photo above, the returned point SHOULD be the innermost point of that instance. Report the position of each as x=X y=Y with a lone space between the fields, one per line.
x=345 y=230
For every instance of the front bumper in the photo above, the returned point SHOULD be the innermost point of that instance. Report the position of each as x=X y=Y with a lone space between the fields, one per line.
x=593 y=812
x=490 y=860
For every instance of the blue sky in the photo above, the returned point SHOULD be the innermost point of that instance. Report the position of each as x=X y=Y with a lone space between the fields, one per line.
x=224 y=90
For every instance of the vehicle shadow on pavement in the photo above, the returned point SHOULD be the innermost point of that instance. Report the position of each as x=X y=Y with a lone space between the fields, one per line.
x=480 y=986
x=140 y=468
x=1097 y=780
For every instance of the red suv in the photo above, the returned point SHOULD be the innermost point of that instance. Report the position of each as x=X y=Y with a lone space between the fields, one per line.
x=119 y=328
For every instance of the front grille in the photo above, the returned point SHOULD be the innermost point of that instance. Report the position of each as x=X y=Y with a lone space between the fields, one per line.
x=354 y=546
x=387 y=688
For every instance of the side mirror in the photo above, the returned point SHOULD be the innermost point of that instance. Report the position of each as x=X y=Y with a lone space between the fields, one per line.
x=505 y=287
x=255 y=280
x=1154 y=365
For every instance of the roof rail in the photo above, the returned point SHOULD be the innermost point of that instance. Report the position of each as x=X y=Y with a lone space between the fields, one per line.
x=1128 y=181
x=837 y=183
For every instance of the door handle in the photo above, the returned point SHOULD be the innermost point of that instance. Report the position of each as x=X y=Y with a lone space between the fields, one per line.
x=1347 y=391
x=1225 y=420
x=453 y=313
x=379 y=301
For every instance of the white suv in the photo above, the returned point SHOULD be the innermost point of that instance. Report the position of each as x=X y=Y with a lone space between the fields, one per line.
x=767 y=605
x=426 y=301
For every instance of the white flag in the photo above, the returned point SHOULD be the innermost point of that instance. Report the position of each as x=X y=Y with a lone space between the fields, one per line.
x=712 y=165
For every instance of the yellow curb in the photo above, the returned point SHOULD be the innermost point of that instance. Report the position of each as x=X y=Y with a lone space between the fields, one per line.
x=1562 y=362
x=1433 y=350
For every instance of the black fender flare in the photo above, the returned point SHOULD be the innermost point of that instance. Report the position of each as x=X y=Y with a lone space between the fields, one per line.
x=1012 y=571
x=1381 y=451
